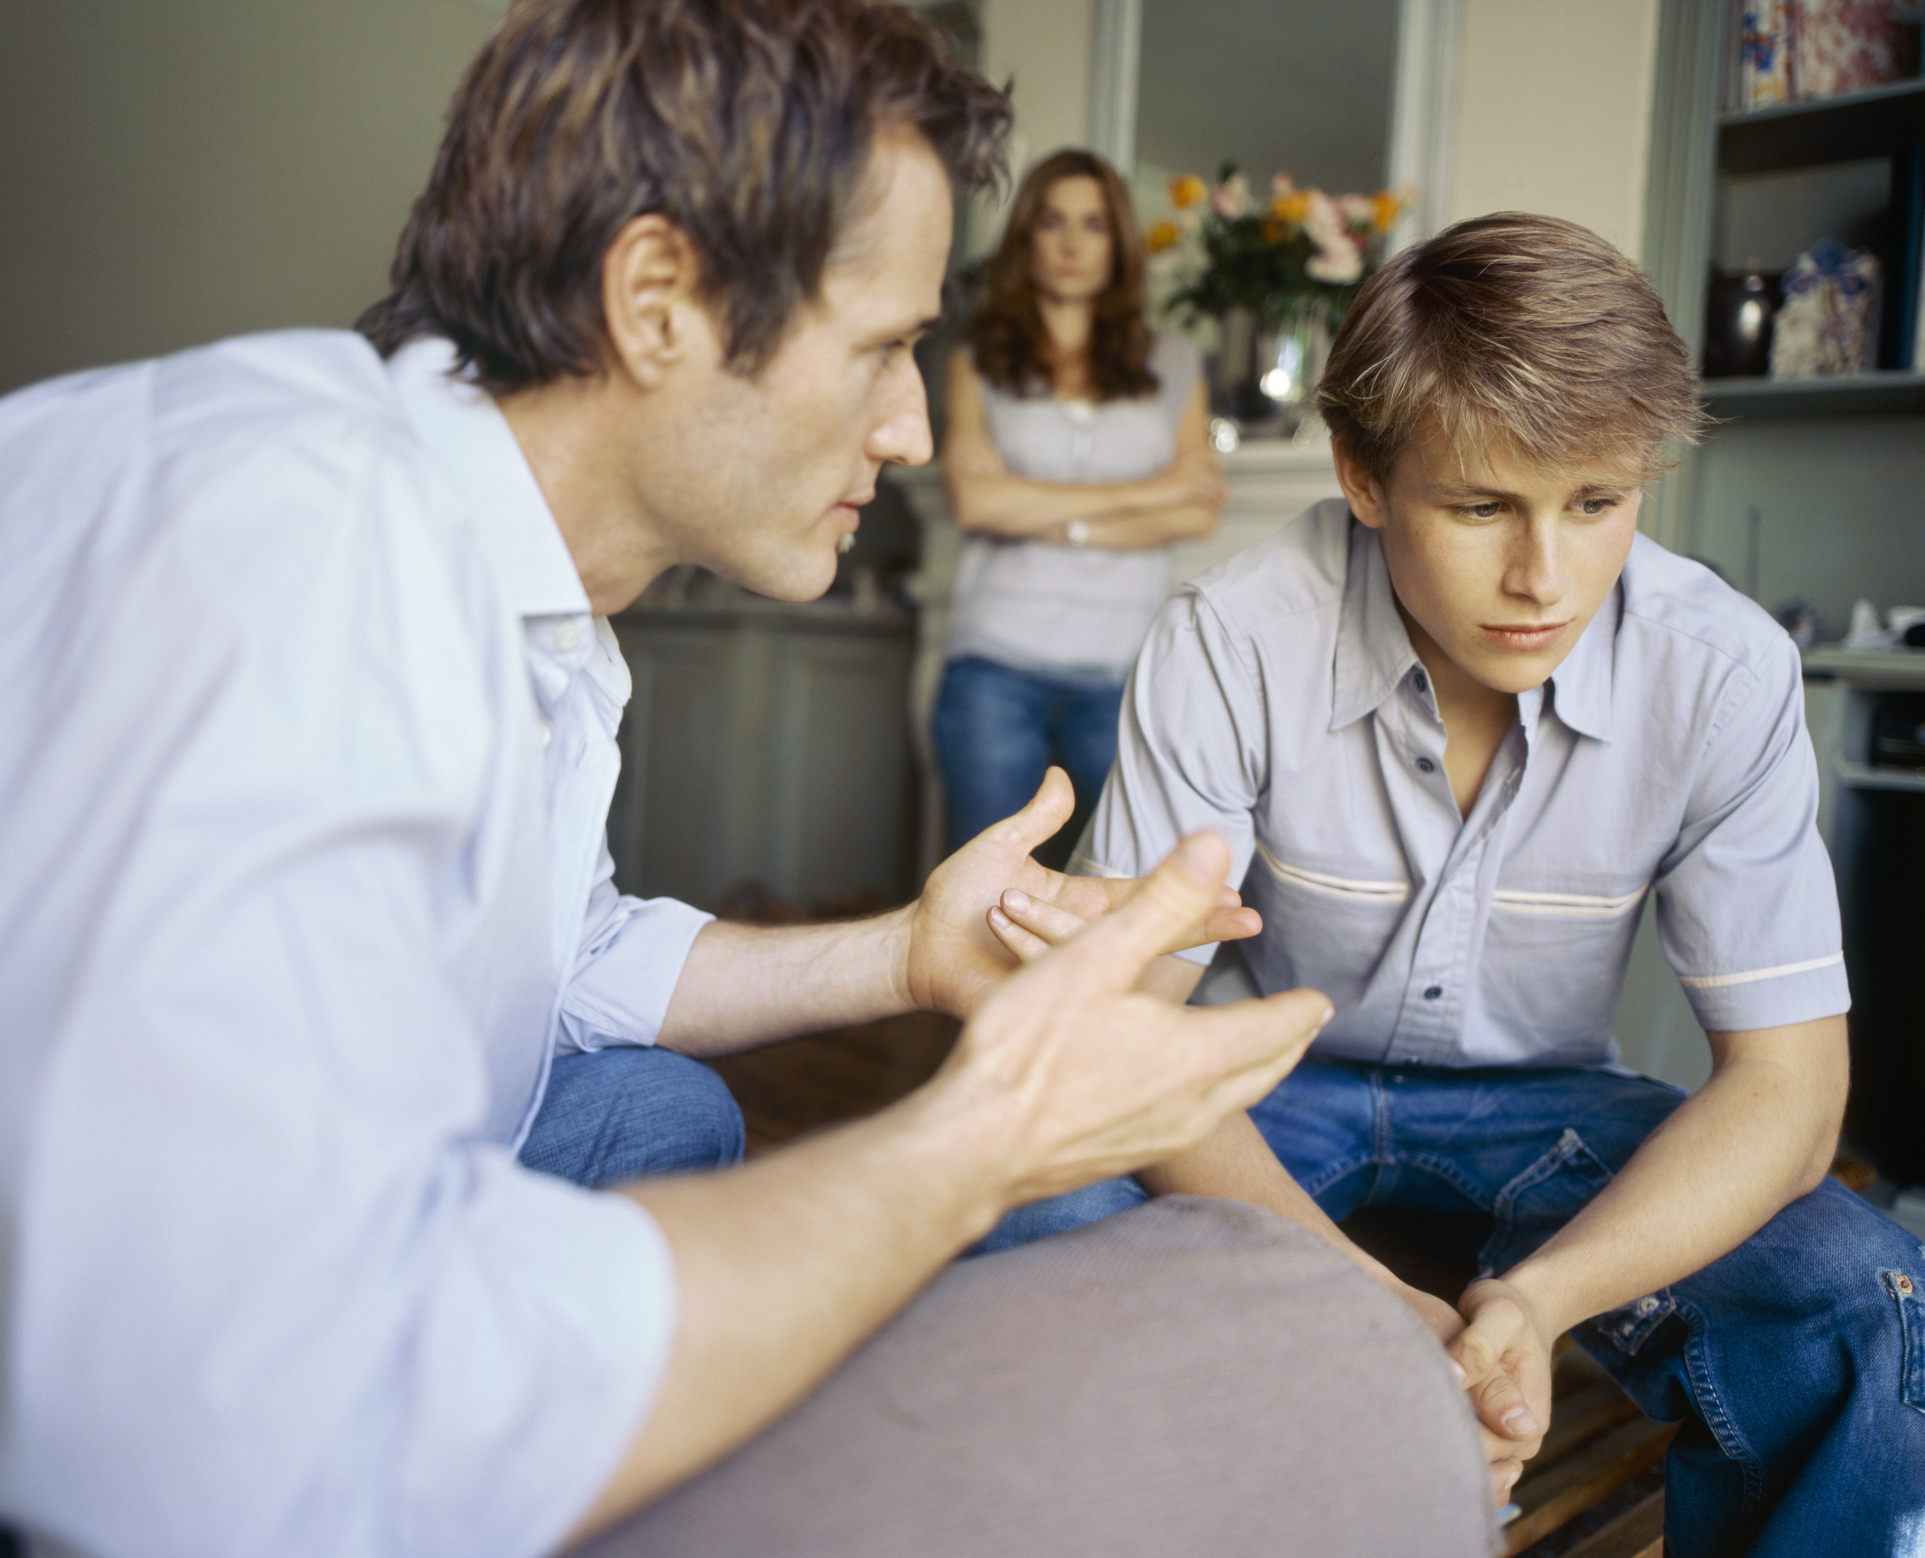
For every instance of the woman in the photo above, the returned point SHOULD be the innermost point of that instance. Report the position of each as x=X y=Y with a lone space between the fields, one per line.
x=1077 y=449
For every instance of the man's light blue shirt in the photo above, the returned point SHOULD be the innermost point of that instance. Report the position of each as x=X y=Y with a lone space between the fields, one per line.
x=1278 y=700
x=306 y=744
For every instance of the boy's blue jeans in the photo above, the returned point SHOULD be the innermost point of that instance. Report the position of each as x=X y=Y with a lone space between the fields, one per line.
x=1796 y=1362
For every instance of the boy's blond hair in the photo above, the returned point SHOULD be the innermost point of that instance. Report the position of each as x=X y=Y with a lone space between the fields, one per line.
x=1523 y=333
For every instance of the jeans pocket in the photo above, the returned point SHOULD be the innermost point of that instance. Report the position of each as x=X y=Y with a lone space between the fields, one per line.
x=1628 y=1328
x=1542 y=1199
x=1911 y=1337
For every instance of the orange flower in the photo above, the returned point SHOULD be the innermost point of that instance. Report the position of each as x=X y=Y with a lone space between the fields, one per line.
x=1162 y=236
x=1187 y=190
x=1292 y=208
x=1384 y=207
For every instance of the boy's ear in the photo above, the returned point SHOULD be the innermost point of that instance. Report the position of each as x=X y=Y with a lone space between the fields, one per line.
x=1364 y=492
x=651 y=308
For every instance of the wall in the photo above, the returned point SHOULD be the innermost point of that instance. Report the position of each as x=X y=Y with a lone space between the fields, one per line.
x=1045 y=46
x=1554 y=111
x=1553 y=100
x=184 y=169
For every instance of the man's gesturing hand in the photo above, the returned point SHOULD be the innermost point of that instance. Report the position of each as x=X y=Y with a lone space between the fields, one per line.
x=948 y=957
x=1506 y=1358
x=1088 y=1078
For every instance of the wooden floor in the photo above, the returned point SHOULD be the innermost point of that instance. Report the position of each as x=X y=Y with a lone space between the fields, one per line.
x=789 y=1090
x=1596 y=1490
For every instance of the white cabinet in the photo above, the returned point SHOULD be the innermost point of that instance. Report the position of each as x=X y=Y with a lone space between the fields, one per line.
x=765 y=750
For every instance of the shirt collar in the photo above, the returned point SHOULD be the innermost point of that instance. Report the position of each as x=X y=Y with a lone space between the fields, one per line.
x=1581 y=686
x=1373 y=653
x=475 y=450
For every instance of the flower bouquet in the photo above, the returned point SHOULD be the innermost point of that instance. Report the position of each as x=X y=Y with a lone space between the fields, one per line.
x=1277 y=279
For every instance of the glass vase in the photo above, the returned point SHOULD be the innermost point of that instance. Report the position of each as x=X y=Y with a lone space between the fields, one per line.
x=1267 y=365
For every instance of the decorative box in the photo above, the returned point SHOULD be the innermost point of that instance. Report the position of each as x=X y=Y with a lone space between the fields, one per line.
x=1842 y=46
x=1828 y=322
x=1765 y=45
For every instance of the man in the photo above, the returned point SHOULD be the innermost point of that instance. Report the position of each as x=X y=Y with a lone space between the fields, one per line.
x=1456 y=727
x=307 y=931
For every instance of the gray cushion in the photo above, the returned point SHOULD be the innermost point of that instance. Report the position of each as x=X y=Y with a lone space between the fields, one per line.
x=1192 y=1377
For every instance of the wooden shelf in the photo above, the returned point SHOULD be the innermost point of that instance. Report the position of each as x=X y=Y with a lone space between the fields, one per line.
x=1862 y=776
x=1869 y=668
x=1838 y=129
x=1855 y=394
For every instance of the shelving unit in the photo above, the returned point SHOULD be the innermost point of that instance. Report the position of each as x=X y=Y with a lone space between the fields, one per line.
x=1873 y=822
x=1797 y=135
x=1814 y=489
x=1886 y=123
x=1857 y=776
x=1859 y=394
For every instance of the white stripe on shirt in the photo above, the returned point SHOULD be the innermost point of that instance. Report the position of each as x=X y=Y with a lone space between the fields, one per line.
x=1335 y=886
x=1721 y=981
x=1565 y=903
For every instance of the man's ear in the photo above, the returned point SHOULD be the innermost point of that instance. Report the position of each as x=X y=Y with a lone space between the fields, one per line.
x=650 y=305
x=1364 y=492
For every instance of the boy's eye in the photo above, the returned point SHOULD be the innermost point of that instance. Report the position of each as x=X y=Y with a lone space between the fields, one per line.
x=1594 y=506
x=1488 y=510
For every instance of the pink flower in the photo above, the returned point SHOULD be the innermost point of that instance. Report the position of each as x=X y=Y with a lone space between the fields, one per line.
x=1324 y=222
x=1339 y=264
x=1357 y=209
x=1232 y=197
x=1280 y=185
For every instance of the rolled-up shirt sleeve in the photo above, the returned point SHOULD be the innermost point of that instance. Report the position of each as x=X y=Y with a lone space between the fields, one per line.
x=632 y=954
x=1747 y=907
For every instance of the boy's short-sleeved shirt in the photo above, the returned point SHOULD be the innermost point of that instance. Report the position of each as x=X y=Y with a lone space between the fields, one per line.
x=1278 y=700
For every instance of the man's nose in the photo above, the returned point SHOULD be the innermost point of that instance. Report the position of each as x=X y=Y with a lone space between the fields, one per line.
x=902 y=436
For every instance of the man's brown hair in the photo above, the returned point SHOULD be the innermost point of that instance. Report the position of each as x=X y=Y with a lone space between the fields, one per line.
x=747 y=123
x=1511 y=331
x=1006 y=333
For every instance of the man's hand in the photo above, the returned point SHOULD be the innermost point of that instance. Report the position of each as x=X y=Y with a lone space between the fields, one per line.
x=1505 y=1353
x=1093 y=1078
x=949 y=957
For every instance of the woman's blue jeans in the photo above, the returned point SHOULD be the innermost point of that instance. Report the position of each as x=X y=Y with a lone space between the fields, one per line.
x=1796 y=1362
x=996 y=729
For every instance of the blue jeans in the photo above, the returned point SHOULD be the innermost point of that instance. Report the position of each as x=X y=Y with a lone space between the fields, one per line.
x=1796 y=1362
x=625 y=1113
x=997 y=729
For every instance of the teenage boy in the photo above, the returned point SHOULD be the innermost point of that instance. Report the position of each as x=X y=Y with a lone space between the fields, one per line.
x=1456 y=727
x=307 y=936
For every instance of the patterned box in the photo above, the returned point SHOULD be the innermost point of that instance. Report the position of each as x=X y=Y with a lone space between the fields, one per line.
x=1841 y=46
x=1765 y=54
x=1828 y=323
